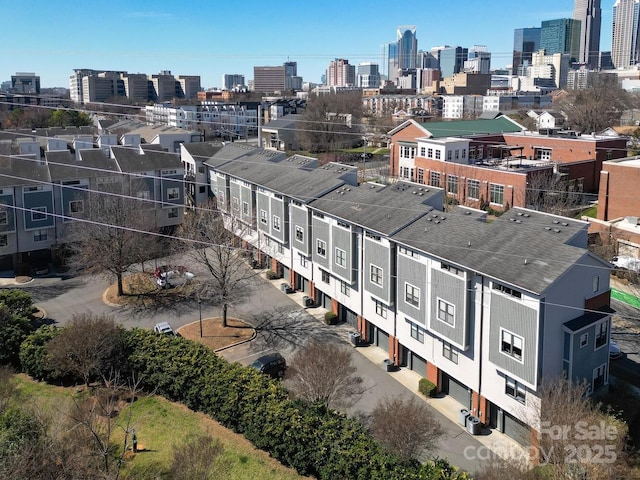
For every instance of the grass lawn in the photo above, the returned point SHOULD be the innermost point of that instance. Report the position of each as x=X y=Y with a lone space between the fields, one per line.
x=588 y=212
x=161 y=426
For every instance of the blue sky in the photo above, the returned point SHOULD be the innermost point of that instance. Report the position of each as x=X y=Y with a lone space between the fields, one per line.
x=212 y=37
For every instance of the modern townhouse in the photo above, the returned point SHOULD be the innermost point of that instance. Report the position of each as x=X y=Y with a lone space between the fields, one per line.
x=193 y=156
x=485 y=310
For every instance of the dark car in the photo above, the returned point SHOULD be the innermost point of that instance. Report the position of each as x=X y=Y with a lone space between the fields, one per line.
x=272 y=364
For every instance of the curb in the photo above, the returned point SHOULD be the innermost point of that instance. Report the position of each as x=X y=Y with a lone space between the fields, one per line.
x=247 y=340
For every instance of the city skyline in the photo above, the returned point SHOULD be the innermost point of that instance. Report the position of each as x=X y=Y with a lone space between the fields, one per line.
x=204 y=41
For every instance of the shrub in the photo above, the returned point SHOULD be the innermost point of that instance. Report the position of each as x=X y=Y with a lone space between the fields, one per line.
x=330 y=318
x=426 y=387
x=271 y=275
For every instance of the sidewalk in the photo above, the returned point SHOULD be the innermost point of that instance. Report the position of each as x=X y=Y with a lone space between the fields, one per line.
x=459 y=440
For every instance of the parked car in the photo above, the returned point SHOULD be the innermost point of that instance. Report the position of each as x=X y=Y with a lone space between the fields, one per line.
x=626 y=262
x=614 y=350
x=272 y=364
x=164 y=328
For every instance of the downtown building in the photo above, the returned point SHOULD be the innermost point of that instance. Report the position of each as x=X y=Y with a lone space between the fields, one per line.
x=589 y=14
x=625 y=46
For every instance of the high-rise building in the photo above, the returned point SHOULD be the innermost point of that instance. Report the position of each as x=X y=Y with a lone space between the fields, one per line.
x=25 y=82
x=589 y=13
x=231 y=81
x=478 y=60
x=340 y=73
x=451 y=60
x=368 y=75
x=188 y=86
x=525 y=42
x=625 y=45
x=407 y=47
x=277 y=79
x=561 y=36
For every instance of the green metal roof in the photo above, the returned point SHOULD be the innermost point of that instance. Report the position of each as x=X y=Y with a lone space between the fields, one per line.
x=463 y=128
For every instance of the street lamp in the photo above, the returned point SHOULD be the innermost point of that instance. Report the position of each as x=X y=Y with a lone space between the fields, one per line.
x=364 y=158
x=200 y=309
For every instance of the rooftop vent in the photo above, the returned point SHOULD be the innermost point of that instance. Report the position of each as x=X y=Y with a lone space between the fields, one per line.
x=547 y=228
x=565 y=224
x=557 y=230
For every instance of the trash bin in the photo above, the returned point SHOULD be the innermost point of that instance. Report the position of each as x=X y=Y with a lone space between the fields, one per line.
x=286 y=288
x=307 y=301
x=473 y=425
x=388 y=365
x=355 y=338
x=462 y=416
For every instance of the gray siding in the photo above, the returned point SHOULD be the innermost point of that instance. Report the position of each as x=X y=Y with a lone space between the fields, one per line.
x=234 y=198
x=9 y=201
x=262 y=203
x=172 y=182
x=77 y=193
x=300 y=218
x=320 y=229
x=278 y=209
x=246 y=196
x=451 y=289
x=379 y=255
x=343 y=239
x=415 y=273
x=34 y=200
x=219 y=186
x=520 y=320
x=585 y=359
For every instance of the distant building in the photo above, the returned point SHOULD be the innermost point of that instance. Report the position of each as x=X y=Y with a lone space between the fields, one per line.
x=625 y=47
x=479 y=60
x=401 y=54
x=232 y=81
x=561 y=36
x=525 y=42
x=188 y=86
x=589 y=13
x=451 y=60
x=368 y=75
x=268 y=79
x=340 y=73
x=23 y=82
x=164 y=86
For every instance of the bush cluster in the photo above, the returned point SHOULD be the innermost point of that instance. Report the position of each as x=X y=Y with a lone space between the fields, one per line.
x=426 y=387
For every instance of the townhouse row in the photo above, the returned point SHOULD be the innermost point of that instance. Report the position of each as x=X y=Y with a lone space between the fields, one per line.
x=486 y=310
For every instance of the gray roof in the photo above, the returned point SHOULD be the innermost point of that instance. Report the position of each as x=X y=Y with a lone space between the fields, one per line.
x=587 y=319
x=202 y=150
x=522 y=247
x=286 y=122
x=26 y=170
x=93 y=163
x=379 y=208
x=130 y=160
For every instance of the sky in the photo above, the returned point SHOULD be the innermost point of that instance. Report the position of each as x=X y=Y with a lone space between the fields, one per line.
x=213 y=37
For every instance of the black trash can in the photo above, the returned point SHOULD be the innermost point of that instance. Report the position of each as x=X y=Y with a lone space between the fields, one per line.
x=388 y=365
x=355 y=338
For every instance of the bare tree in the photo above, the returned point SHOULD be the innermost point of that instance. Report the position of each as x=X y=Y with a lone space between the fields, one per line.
x=553 y=193
x=114 y=236
x=199 y=459
x=405 y=426
x=211 y=239
x=88 y=347
x=323 y=373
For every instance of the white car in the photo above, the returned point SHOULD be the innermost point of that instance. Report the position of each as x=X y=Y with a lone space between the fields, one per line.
x=164 y=328
x=629 y=263
x=614 y=350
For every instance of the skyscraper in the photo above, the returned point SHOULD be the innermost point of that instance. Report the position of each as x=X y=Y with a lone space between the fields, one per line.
x=407 y=47
x=561 y=36
x=589 y=14
x=525 y=42
x=451 y=60
x=625 y=45
x=368 y=75
x=340 y=73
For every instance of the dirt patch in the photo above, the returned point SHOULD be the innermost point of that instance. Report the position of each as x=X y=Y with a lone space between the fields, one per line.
x=140 y=289
x=214 y=335
x=23 y=279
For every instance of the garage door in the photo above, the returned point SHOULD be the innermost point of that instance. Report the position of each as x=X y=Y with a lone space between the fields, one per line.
x=349 y=316
x=456 y=390
x=517 y=430
x=382 y=340
x=285 y=273
x=418 y=364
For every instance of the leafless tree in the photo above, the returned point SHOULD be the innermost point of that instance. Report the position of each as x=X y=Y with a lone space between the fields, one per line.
x=88 y=347
x=405 y=426
x=199 y=459
x=324 y=373
x=212 y=239
x=114 y=235
x=549 y=192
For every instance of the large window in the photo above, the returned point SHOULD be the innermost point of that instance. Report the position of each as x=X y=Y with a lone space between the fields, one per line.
x=172 y=213
x=325 y=276
x=543 y=154
x=434 y=180
x=449 y=352
x=511 y=344
x=321 y=248
x=245 y=208
x=496 y=194
x=341 y=258
x=38 y=213
x=473 y=189
x=599 y=376
x=515 y=389
x=452 y=184
x=173 y=193
x=75 y=206
x=407 y=152
x=446 y=312
x=412 y=295
x=345 y=288
x=420 y=175
x=601 y=334
x=438 y=154
x=40 y=236
x=299 y=234
x=417 y=332
x=376 y=275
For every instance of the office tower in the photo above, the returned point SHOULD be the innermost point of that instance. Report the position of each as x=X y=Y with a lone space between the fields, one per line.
x=25 y=82
x=478 y=60
x=277 y=79
x=368 y=75
x=589 y=14
x=525 y=42
x=232 y=80
x=340 y=73
x=451 y=60
x=625 y=45
x=407 y=47
x=561 y=36
x=391 y=60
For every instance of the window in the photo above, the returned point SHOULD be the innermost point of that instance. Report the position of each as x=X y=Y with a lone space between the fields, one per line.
x=3 y=240
x=375 y=275
x=542 y=154
x=280 y=248
x=276 y=223
x=263 y=217
x=446 y=312
x=201 y=169
x=325 y=276
x=303 y=260
x=4 y=218
x=596 y=283
x=430 y=153
x=39 y=235
x=584 y=340
x=235 y=204
x=245 y=208
x=496 y=193
x=420 y=175
x=609 y=154
x=473 y=189
x=515 y=389
x=601 y=334
x=173 y=193
x=202 y=189
x=438 y=154
x=406 y=251
x=452 y=184
x=75 y=206
x=599 y=377
x=457 y=155
x=341 y=258
x=449 y=352
x=345 y=288
x=407 y=152
x=422 y=151
x=299 y=234
x=449 y=152
x=417 y=332
x=464 y=153
x=506 y=290
x=511 y=344
x=173 y=213
x=321 y=248
x=452 y=269
x=381 y=308
x=38 y=213
x=435 y=179
x=412 y=295
x=472 y=153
